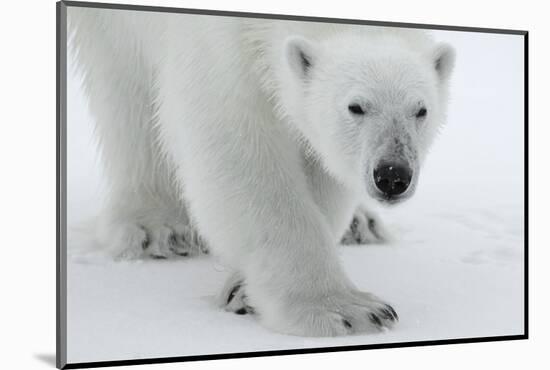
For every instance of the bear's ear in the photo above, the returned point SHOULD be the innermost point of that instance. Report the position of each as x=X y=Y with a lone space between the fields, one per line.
x=443 y=60
x=300 y=55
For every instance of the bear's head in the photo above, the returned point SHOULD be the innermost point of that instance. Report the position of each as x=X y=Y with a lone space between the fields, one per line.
x=368 y=105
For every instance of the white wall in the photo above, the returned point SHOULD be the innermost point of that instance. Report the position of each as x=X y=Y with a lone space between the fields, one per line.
x=28 y=187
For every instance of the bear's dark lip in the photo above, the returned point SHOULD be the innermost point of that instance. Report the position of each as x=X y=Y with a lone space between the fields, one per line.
x=387 y=200
x=393 y=200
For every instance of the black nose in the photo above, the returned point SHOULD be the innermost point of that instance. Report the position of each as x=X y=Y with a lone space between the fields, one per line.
x=392 y=178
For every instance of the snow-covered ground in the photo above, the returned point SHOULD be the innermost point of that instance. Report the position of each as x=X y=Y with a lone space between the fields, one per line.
x=454 y=271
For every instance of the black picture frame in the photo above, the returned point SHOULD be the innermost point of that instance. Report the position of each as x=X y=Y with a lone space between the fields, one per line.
x=61 y=190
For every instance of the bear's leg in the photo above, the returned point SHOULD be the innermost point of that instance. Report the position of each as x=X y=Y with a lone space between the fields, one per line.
x=333 y=199
x=248 y=192
x=143 y=214
x=338 y=204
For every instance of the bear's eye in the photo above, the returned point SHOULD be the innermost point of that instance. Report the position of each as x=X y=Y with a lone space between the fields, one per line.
x=356 y=109
x=422 y=113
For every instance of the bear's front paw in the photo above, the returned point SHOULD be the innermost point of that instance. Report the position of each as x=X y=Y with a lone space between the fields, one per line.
x=365 y=228
x=132 y=240
x=341 y=313
x=338 y=314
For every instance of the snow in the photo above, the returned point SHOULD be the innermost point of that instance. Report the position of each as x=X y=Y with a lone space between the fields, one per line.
x=454 y=270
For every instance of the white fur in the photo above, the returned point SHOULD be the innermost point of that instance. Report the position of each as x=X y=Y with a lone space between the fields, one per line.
x=219 y=118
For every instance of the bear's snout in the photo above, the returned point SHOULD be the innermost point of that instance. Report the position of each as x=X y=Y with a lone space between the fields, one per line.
x=392 y=179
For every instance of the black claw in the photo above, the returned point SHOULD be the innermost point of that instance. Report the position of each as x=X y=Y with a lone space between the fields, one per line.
x=202 y=245
x=375 y=319
x=241 y=311
x=158 y=257
x=354 y=225
x=386 y=314
x=173 y=239
x=347 y=324
x=372 y=228
x=390 y=308
x=250 y=310
x=372 y=224
x=145 y=243
x=175 y=250
x=233 y=292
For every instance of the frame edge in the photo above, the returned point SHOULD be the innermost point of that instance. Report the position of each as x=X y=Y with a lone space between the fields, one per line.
x=61 y=170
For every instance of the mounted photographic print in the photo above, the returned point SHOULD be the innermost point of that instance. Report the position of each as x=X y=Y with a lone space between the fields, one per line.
x=236 y=184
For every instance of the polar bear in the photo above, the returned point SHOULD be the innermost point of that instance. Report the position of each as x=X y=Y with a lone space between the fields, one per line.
x=266 y=136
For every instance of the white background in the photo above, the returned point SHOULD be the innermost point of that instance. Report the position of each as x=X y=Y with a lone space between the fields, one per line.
x=28 y=195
